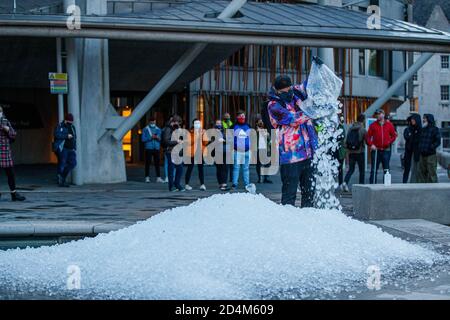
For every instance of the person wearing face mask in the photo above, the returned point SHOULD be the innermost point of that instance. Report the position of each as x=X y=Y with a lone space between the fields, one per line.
x=151 y=137
x=380 y=137
x=430 y=140
x=197 y=144
x=64 y=145
x=7 y=135
x=174 y=171
x=412 y=154
x=297 y=140
x=263 y=143
x=221 y=166
x=241 y=150
x=228 y=124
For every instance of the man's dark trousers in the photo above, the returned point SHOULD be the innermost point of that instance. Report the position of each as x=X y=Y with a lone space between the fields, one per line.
x=291 y=175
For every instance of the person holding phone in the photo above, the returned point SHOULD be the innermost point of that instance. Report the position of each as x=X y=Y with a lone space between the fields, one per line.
x=7 y=136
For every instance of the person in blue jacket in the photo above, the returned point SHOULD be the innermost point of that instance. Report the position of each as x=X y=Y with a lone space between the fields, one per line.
x=241 y=150
x=151 y=137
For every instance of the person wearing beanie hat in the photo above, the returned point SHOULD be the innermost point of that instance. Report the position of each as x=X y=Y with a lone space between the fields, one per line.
x=297 y=139
x=64 y=146
x=7 y=135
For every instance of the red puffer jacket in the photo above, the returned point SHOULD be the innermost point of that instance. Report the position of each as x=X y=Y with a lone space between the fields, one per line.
x=382 y=136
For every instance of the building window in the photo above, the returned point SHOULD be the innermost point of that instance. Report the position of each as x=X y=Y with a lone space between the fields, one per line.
x=445 y=93
x=376 y=63
x=445 y=62
x=362 y=62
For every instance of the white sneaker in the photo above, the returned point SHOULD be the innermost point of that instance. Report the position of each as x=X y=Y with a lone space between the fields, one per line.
x=188 y=187
x=202 y=187
x=345 y=187
x=147 y=179
x=159 y=180
x=166 y=180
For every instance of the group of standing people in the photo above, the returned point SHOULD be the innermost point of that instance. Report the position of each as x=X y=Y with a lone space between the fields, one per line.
x=156 y=139
x=422 y=138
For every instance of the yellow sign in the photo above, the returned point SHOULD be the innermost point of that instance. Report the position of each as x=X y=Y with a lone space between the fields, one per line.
x=57 y=76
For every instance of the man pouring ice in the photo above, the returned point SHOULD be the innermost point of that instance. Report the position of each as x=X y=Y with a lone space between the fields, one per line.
x=292 y=110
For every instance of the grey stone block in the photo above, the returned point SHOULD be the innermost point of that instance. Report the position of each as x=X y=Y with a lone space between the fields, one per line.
x=417 y=229
x=60 y=228
x=12 y=229
x=402 y=201
x=113 y=226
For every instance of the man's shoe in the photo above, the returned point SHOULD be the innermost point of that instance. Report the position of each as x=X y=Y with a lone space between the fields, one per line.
x=147 y=179
x=159 y=180
x=345 y=187
x=188 y=187
x=202 y=187
x=17 y=197
x=233 y=187
x=181 y=190
x=166 y=180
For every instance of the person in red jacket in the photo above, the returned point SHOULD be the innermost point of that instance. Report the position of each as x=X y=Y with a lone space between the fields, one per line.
x=380 y=137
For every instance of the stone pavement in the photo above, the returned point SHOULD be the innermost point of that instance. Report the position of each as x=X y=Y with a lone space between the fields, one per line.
x=117 y=204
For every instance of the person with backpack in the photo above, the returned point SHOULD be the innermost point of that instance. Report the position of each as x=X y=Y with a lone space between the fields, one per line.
x=430 y=140
x=355 y=146
x=65 y=145
x=412 y=153
x=341 y=153
x=151 y=137
x=7 y=136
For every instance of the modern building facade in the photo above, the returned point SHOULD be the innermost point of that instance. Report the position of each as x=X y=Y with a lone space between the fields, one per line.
x=125 y=51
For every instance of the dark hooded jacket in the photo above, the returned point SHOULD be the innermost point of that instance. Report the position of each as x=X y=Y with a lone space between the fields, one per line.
x=430 y=137
x=412 y=136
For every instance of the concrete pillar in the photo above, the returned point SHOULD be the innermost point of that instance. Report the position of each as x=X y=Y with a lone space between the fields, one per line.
x=74 y=98
x=102 y=156
x=327 y=54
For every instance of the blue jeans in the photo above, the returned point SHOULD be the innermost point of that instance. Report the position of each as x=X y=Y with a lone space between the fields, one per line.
x=383 y=157
x=166 y=167
x=171 y=169
x=67 y=160
x=241 y=159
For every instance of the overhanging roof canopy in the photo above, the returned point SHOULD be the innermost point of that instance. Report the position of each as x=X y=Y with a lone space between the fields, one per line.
x=257 y=23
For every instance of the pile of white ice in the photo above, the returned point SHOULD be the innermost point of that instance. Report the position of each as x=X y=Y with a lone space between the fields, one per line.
x=228 y=246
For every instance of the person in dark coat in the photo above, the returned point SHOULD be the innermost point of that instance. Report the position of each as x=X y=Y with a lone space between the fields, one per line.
x=430 y=140
x=412 y=154
x=168 y=145
x=65 y=146
x=7 y=135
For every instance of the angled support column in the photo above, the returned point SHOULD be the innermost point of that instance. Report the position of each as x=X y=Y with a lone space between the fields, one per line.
x=424 y=58
x=169 y=78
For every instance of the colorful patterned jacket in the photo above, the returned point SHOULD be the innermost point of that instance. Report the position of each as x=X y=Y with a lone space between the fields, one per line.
x=297 y=137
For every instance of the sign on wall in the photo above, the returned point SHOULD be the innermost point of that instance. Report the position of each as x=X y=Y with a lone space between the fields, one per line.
x=58 y=83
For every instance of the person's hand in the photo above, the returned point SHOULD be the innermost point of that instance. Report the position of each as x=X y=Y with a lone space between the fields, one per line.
x=317 y=60
x=70 y=136
x=373 y=148
x=5 y=128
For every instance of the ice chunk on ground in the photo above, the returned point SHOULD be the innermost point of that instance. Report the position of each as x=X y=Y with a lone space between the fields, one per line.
x=228 y=246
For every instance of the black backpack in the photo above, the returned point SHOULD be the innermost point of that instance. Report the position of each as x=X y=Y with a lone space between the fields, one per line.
x=353 y=140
